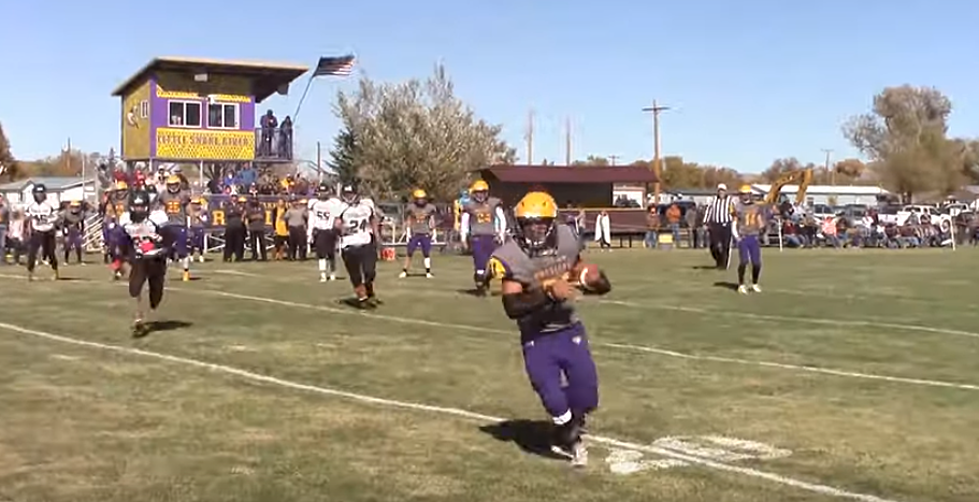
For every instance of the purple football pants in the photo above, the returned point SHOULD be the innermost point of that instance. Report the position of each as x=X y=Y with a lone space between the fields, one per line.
x=563 y=353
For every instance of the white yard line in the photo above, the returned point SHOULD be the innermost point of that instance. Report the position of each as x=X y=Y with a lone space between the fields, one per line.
x=613 y=345
x=811 y=369
x=805 y=320
x=746 y=471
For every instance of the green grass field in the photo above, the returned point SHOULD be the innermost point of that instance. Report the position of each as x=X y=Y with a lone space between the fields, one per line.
x=852 y=377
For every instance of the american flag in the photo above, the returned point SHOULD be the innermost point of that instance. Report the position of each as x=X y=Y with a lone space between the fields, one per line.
x=342 y=66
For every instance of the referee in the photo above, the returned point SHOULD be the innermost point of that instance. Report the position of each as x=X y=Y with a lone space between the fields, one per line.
x=718 y=218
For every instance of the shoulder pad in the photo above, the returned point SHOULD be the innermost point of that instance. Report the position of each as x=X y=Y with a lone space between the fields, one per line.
x=498 y=269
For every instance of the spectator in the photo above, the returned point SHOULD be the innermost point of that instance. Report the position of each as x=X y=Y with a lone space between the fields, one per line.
x=296 y=217
x=234 y=230
x=16 y=228
x=603 y=231
x=673 y=215
x=285 y=139
x=4 y=222
x=652 y=228
x=268 y=125
x=255 y=215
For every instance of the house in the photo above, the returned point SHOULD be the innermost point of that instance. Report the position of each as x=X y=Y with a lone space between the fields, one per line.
x=60 y=189
x=830 y=195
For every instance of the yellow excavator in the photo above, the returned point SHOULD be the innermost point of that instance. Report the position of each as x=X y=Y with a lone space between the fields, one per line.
x=802 y=176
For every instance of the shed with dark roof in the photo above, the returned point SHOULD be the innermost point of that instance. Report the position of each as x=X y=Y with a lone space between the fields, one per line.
x=586 y=186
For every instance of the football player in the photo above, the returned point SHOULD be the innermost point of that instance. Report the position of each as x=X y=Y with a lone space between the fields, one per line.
x=420 y=222
x=357 y=223
x=116 y=205
x=541 y=271
x=73 y=228
x=484 y=221
x=197 y=213
x=174 y=202
x=322 y=232
x=42 y=217
x=141 y=241
x=750 y=221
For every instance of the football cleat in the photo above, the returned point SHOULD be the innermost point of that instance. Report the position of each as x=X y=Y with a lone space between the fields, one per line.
x=428 y=275
x=756 y=288
x=743 y=289
x=322 y=277
x=186 y=276
x=403 y=274
x=333 y=276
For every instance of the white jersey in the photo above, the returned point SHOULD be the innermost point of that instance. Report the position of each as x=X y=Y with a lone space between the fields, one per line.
x=43 y=216
x=145 y=235
x=322 y=213
x=356 y=220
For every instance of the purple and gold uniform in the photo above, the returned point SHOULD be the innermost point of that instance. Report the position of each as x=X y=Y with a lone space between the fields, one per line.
x=420 y=221
x=482 y=220
x=554 y=341
x=750 y=220
x=174 y=201
x=73 y=227
x=197 y=214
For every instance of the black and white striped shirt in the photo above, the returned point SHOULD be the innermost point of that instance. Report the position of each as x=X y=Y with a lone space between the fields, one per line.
x=719 y=210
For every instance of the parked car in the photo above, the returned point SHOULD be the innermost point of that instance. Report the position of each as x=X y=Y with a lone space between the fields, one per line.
x=914 y=212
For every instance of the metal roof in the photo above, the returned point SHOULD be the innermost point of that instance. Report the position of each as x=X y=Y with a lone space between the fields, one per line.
x=268 y=76
x=570 y=174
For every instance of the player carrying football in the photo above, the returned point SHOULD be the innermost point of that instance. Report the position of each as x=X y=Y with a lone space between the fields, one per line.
x=43 y=218
x=750 y=221
x=483 y=220
x=357 y=223
x=541 y=270
x=322 y=211
x=174 y=201
x=141 y=242
x=420 y=222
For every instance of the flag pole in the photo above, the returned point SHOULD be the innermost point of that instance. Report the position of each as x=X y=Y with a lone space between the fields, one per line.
x=295 y=116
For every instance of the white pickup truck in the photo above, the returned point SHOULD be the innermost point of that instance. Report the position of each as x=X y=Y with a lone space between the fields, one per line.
x=918 y=211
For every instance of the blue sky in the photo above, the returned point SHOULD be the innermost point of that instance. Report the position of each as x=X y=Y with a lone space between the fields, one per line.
x=749 y=81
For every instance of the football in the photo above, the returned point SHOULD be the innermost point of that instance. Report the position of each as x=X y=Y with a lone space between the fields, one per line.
x=584 y=274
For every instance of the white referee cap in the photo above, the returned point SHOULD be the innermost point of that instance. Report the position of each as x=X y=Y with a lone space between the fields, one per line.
x=721 y=186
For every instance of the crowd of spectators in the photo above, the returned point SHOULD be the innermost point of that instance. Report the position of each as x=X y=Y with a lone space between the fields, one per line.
x=684 y=220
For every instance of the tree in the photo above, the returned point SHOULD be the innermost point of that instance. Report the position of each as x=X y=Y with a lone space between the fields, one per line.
x=676 y=173
x=592 y=160
x=396 y=137
x=344 y=155
x=850 y=169
x=904 y=135
x=9 y=168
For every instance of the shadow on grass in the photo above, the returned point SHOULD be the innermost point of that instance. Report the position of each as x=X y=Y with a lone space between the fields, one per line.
x=726 y=285
x=531 y=436
x=161 y=326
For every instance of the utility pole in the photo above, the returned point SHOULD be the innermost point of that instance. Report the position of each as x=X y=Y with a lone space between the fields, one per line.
x=319 y=161
x=656 y=109
x=530 y=137
x=567 y=142
x=832 y=174
x=68 y=156
x=613 y=158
